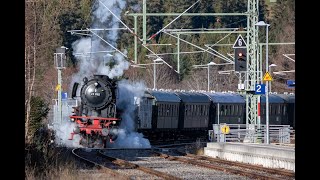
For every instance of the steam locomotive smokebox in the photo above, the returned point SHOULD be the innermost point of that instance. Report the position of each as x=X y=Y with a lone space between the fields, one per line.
x=97 y=92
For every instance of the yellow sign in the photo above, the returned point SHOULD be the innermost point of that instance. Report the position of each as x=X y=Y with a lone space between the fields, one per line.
x=267 y=77
x=225 y=129
x=58 y=87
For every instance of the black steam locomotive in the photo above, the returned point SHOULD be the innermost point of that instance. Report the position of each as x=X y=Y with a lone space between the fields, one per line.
x=96 y=117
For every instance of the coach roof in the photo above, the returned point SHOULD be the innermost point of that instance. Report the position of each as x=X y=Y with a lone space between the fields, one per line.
x=165 y=96
x=193 y=97
x=219 y=97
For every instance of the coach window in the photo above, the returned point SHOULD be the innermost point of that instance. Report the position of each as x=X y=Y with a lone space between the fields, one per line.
x=186 y=110
x=240 y=110
x=159 y=108
x=203 y=110
x=272 y=109
x=197 y=110
x=177 y=106
x=206 y=110
x=279 y=109
x=236 y=112
x=162 y=110
x=227 y=109
x=284 y=110
x=221 y=110
x=232 y=109
x=172 y=110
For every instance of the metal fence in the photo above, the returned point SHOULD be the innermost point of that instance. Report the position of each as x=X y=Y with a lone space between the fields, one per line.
x=253 y=134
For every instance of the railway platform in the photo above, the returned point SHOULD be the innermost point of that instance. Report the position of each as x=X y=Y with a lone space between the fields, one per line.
x=267 y=155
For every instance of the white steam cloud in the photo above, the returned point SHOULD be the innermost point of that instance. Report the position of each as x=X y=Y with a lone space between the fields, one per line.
x=127 y=137
x=63 y=133
x=92 y=59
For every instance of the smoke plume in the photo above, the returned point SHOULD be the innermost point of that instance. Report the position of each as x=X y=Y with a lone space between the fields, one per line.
x=95 y=56
x=127 y=137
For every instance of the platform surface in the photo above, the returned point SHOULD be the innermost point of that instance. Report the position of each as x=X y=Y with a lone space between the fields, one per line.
x=267 y=155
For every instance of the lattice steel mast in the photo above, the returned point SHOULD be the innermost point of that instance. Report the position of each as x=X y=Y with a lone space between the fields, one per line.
x=254 y=68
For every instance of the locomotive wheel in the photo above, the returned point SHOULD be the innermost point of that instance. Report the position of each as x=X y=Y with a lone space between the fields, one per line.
x=86 y=142
x=76 y=130
x=113 y=137
x=104 y=142
x=105 y=132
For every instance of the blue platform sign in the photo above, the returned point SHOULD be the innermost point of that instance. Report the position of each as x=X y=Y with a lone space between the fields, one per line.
x=64 y=95
x=291 y=83
x=260 y=89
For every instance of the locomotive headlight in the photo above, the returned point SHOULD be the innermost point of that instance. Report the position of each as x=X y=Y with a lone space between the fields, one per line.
x=96 y=84
x=114 y=122
x=72 y=119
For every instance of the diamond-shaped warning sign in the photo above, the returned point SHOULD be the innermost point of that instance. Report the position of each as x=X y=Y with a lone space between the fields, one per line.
x=267 y=77
x=58 y=87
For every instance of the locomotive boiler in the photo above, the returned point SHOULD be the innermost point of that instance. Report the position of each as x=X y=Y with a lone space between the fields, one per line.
x=96 y=118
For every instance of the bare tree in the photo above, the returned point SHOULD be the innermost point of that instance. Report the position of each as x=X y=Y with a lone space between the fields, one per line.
x=42 y=36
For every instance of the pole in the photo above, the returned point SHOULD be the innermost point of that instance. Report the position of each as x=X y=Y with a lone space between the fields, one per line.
x=154 y=75
x=270 y=82
x=135 y=41
x=267 y=92
x=208 y=77
x=59 y=96
x=144 y=21
x=178 y=54
x=218 y=112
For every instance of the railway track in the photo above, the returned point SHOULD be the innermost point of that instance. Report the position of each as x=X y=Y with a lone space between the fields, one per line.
x=281 y=172
x=89 y=158
x=248 y=170
x=170 y=162
x=118 y=168
x=148 y=158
